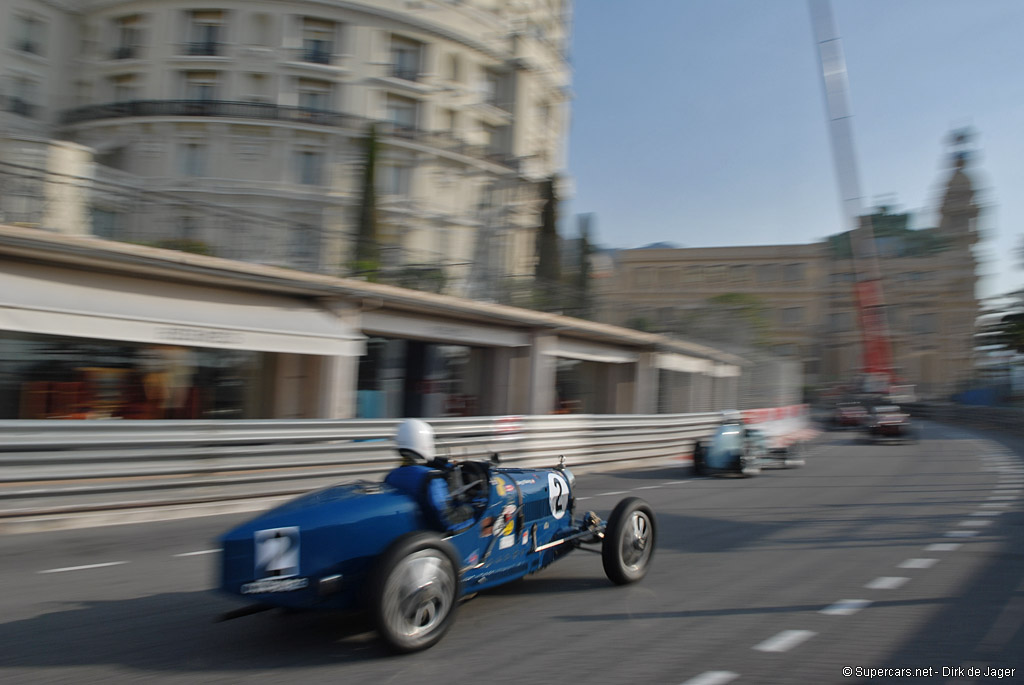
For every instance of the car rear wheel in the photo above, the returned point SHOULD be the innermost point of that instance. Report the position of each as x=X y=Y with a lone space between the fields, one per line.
x=415 y=591
x=628 y=541
x=698 y=458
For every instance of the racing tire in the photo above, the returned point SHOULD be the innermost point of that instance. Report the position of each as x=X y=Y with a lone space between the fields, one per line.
x=415 y=591
x=749 y=465
x=698 y=459
x=629 y=540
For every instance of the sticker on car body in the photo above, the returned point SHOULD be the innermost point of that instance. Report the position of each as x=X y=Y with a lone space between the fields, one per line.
x=558 y=495
x=277 y=552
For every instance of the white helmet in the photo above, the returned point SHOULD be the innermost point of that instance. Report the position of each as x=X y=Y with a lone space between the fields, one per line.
x=415 y=440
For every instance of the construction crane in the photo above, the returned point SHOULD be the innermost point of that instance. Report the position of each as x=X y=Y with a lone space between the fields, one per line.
x=877 y=371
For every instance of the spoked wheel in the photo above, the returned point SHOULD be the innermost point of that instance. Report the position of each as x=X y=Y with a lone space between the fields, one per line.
x=628 y=541
x=415 y=593
x=698 y=458
x=750 y=464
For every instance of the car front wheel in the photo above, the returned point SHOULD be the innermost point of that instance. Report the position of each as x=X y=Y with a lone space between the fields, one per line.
x=415 y=591
x=628 y=541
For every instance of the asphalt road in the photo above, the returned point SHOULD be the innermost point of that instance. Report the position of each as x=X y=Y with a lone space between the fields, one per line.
x=903 y=556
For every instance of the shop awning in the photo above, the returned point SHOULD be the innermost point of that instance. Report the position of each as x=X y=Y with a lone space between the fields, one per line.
x=49 y=300
x=592 y=352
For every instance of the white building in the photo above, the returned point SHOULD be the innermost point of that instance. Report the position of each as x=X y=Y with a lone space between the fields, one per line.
x=240 y=125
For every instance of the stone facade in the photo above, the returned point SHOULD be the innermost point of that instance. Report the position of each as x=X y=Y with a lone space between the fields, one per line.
x=797 y=301
x=241 y=124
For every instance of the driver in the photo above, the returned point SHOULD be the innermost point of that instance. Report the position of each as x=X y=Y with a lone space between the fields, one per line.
x=430 y=477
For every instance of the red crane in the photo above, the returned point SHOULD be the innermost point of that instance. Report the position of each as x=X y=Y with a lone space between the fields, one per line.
x=877 y=370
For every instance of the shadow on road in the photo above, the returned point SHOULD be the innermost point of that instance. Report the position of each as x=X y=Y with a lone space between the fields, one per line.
x=175 y=632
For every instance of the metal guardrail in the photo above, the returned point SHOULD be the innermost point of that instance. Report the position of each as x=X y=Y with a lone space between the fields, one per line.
x=62 y=467
x=1010 y=419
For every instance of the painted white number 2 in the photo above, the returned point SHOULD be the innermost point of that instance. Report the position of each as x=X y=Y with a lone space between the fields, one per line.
x=277 y=552
x=558 y=495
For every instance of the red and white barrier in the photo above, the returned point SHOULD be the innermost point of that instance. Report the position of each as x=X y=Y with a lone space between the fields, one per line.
x=782 y=426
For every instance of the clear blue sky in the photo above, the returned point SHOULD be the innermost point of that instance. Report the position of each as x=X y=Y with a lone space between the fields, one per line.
x=702 y=122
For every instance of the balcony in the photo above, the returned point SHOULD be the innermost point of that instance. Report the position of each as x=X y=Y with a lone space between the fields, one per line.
x=125 y=52
x=316 y=52
x=203 y=49
x=18 y=106
x=405 y=73
x=272 y=112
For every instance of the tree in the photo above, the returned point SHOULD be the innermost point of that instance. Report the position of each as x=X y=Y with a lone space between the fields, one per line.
x=736 y=318
x=548 y=272
x=582 y=290
x=367 y=257
x=1002 y=328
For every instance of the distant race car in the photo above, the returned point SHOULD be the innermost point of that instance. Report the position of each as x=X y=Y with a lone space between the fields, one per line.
x=733 y=448
x=408 y=548
x=888 y=422
x=849 y=415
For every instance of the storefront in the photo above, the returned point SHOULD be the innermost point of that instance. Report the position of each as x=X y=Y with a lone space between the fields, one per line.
x=419 y=366
x=81 y=344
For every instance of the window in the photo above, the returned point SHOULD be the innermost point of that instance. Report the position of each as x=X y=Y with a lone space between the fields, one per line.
x=739 y=273
x=454 y=69
x=839 y=321
x=715 y=274
x=394 y=179
x=259 y=33
x=193 y=160
x=491 y=87
x=794 y=273
x=104 y=223
x=667 y=276
x=315 y=95
x=923 y=323
x=767 y=273
x=204 y=33
x=305 y=246
x=644 y=277
x=128 y=33
x=310 y=167
x=405 y=58
x=29 y=34
x=23 y=96
x=448 y=119
x=317 y=40
x=124 y=88
x=201 y=85
x=258 y=86
x=792 y=315
x=401 y=112
x=695 y=274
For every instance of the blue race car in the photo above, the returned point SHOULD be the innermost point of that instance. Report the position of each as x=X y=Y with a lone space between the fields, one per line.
x=732 y=448
x=407 y=549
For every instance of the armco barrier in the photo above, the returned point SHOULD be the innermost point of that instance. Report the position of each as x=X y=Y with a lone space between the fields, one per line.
x=1009 y=419
x=53 y=468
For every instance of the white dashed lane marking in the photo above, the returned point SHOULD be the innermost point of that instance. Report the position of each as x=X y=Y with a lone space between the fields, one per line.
x=887 y=583
x=613 y=492
x=195 y=554
x=943 y=547
x=785 y=641
x=976 y=523
x=846 y=607
x=986 y=513
x=919 y=563
x=961 y=533
x=713 y=678
x=83 y=568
